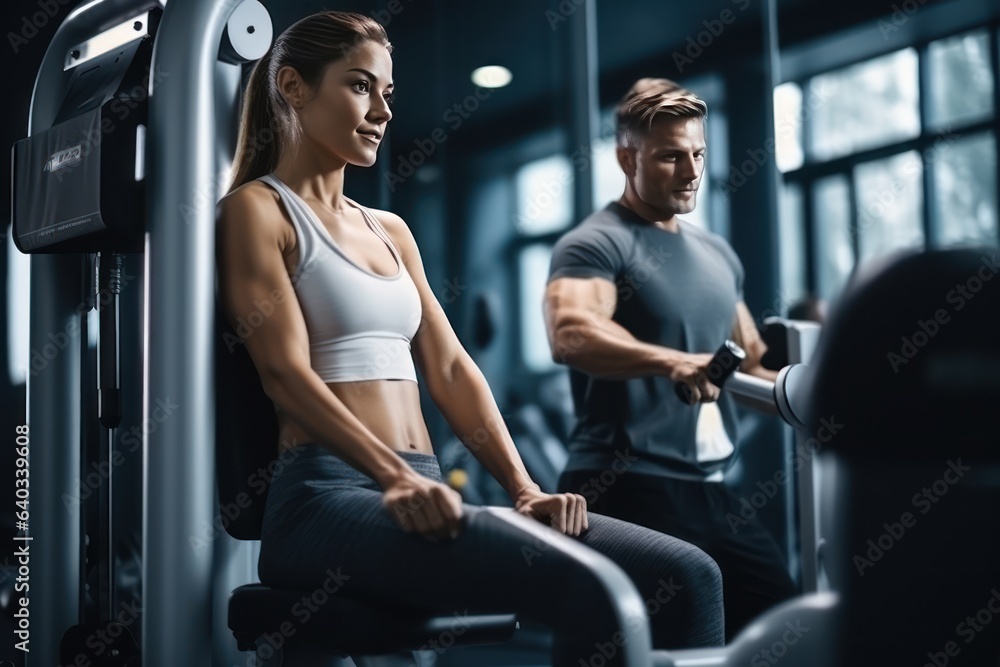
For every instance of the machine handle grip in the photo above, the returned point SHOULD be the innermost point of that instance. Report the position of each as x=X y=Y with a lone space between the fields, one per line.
x=724 y=363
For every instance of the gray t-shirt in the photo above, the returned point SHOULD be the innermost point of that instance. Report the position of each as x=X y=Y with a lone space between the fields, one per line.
x=678 y=290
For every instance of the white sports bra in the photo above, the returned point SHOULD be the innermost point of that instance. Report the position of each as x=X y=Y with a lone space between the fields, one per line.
x=360 y=323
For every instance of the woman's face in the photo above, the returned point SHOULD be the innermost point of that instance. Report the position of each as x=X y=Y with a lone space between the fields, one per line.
x=348 y=113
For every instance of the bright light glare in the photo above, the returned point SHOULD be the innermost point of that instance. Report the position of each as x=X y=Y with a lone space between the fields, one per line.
x=491 y=76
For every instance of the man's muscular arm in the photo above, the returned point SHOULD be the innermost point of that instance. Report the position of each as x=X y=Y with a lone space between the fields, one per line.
x=582 y=334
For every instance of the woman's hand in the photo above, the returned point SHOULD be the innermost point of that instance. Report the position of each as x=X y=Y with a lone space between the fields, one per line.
x=566 y=512
x=423 y=506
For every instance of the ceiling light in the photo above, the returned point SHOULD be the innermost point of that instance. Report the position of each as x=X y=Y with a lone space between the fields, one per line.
x=492 y=76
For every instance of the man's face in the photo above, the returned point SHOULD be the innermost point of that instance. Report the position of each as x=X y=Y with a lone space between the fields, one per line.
x=666 y=165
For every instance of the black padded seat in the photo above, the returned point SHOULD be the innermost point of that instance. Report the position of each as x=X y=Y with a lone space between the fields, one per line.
x=246 y=448
x=353 y=626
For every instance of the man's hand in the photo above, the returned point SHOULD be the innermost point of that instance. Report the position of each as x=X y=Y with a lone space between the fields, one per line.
x=423 y=506
x=692 y=369
x=565 y=512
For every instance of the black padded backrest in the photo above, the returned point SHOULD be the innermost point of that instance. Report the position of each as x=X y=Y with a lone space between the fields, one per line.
x=910 y=357
x=907 y=380
x=246 y=434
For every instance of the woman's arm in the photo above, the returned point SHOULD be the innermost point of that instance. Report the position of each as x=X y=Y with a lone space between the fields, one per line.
x=251 y=236
x=460 y=391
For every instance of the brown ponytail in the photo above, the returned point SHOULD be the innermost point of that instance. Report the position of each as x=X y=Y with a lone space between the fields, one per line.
x=258 y=147
x=268 y=123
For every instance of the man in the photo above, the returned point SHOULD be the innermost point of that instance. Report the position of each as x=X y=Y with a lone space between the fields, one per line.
x=638 y=300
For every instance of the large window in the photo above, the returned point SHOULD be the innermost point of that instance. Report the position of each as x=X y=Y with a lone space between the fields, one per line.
x=890 y=199
x=544 y=195
x=609 y=179
x=868 y=105
x=534 y=270
x=961 y=80
x=543 y=189
x=895 y=152
x=965 y=183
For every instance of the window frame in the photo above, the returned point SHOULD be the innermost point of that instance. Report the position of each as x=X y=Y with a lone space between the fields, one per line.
x=812 y=170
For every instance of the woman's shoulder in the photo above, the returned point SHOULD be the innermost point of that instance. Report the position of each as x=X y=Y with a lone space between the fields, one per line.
x=251 y=193
x=253 y=200
x=254 y=208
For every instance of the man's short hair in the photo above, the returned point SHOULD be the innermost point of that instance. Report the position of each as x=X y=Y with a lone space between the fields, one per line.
x=647 y=98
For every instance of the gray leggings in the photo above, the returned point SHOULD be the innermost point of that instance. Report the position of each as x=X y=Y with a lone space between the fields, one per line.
x=323 y=513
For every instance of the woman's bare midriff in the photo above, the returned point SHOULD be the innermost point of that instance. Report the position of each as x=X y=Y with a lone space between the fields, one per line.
x=389 y=408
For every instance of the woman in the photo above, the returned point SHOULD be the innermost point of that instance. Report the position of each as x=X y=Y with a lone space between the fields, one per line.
x=350 y=313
